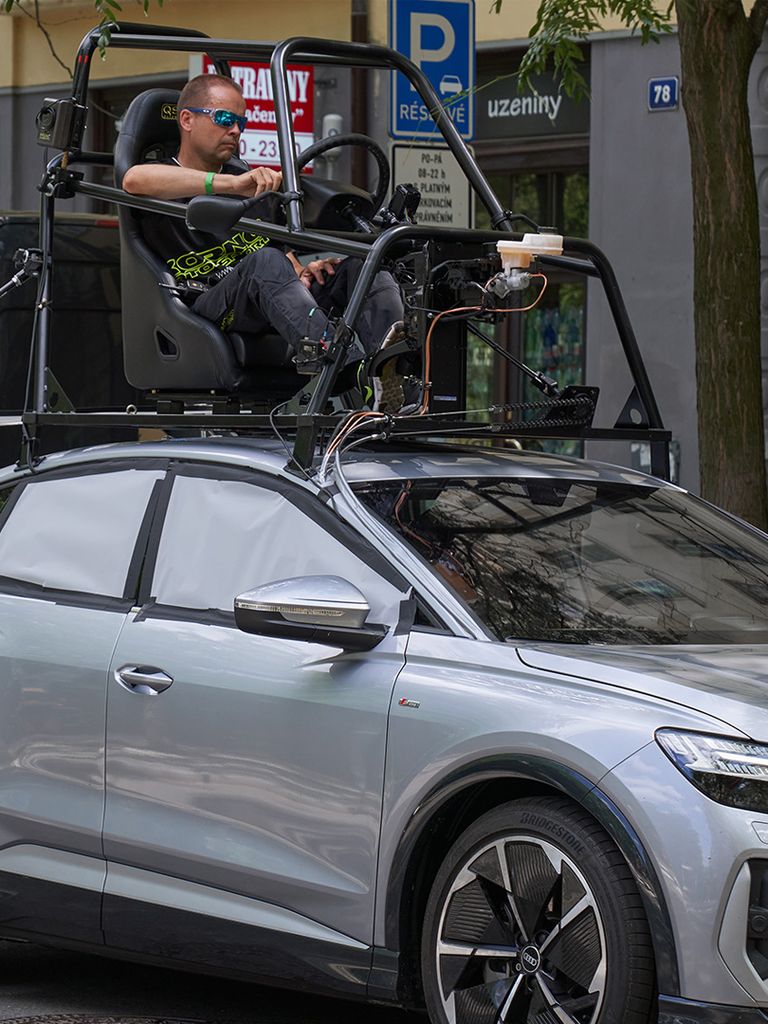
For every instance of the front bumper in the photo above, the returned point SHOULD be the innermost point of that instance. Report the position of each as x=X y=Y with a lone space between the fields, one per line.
x=700 y=851
x=686 y=1011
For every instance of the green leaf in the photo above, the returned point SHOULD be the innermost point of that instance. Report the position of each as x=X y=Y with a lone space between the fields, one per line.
x=561 y=24
x=103 y=42
x=7 y=5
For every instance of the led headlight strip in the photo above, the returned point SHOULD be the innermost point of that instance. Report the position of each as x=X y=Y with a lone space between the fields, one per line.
x=732 y=772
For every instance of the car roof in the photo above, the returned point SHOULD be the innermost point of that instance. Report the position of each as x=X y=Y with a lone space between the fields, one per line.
x=381 y=463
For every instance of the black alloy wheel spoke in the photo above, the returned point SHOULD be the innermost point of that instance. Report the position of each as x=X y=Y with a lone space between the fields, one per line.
x=536 y=887
x=550 y=913
x=517 y=1006
x=503 y=910
x=567 y=1009
x=483 y=1004
x=575 y=952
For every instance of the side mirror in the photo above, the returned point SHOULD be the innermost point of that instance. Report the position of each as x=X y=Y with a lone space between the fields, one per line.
x=318 y=609
x=218 y=214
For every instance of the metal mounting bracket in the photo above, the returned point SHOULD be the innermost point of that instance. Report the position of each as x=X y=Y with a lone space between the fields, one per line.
x=634 y=413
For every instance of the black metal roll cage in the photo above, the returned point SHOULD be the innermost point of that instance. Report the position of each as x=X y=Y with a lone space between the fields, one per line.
x=311 y=425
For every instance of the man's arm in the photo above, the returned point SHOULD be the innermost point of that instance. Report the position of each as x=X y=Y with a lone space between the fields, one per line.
x=168 y=181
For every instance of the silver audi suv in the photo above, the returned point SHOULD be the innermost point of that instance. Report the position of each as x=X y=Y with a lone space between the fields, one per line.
x=481 y=731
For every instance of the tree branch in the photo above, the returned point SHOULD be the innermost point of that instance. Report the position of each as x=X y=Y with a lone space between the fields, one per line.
x=561 y=25
x=36 y=18
x=757 y=19
x=106 y=10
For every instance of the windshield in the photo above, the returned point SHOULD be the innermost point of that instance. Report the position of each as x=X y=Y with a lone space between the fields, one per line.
x=577 y=562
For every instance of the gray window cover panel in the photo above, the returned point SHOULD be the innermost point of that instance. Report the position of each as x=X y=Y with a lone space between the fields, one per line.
x=77 y=533
x=223 y=537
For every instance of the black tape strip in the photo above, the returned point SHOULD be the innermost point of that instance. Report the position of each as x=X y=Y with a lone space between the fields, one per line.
x=175 y=613
x=130 y=592
x=155 y=533
x=72 y=598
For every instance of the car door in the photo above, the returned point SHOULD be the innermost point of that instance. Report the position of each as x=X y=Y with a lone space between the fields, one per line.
x=244 y=790
x=68 y=575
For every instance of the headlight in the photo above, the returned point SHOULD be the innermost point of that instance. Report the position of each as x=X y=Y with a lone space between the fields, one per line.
x=733 y=772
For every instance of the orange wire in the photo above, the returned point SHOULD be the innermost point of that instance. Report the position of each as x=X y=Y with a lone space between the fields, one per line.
x=464 y=309
x=358 y=417
x=350 y=425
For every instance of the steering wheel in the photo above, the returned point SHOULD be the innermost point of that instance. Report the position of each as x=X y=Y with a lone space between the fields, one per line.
x=353 y=139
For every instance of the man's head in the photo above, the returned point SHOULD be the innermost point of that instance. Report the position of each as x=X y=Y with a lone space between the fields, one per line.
x=203 y=142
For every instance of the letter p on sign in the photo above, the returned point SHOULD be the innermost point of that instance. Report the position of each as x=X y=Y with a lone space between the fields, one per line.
x=420 y=53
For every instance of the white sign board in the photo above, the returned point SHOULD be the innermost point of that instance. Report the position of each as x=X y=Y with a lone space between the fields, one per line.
x=446 y=195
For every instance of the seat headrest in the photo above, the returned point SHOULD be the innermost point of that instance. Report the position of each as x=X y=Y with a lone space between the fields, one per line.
x=149 y=131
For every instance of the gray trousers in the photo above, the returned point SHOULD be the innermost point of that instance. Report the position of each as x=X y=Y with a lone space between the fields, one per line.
x=263 y=293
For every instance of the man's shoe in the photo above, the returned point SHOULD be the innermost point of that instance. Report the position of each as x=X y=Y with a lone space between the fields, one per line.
x=388 y=382
x=365 y=384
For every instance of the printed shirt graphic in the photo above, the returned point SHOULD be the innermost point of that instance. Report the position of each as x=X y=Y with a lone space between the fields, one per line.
x=191 y=265
x=197 y=255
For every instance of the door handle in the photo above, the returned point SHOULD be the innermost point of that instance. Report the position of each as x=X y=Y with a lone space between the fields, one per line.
x=143 y=679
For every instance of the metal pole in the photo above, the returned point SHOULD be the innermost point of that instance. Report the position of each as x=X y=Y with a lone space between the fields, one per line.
x=41 y=339
x=285 y=140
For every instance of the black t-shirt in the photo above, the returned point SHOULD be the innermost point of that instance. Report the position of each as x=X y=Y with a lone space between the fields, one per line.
x=197 y=255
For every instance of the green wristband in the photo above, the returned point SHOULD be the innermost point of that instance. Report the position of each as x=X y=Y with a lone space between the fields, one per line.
x=209 y=183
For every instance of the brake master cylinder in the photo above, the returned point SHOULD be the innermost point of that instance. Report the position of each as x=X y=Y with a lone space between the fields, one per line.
x=516 y=258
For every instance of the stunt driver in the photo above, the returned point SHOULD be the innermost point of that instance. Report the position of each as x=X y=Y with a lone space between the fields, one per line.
x=252 y=285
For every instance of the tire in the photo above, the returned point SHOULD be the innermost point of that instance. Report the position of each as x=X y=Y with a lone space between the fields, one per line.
x=493 y=948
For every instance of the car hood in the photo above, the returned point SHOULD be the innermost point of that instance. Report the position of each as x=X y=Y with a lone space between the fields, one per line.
x=730 y=684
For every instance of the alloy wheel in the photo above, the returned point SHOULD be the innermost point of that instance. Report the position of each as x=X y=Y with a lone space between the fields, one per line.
x=520 y=938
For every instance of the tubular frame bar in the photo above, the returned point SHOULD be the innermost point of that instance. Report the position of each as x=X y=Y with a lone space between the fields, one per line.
x=413 y=428
x=406 y=427
x=592 y=262
x=42 y=332
x=309 y=240
x=136 y=36
x=356 y=53
x=303 y=49
x=594 y=256
x=623 y=326
x=135 y=31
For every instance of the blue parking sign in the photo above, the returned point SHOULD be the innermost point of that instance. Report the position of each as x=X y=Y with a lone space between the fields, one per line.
x=439 y=36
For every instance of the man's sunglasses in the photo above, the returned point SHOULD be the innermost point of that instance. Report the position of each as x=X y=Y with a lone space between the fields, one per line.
x=223 y=118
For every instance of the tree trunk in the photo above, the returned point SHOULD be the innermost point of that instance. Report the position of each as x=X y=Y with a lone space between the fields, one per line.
x=717 y=44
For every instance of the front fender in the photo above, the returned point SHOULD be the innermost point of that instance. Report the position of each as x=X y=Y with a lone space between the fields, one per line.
x=519 y=774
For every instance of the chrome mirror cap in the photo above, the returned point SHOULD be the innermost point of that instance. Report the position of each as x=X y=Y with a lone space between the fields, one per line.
x=328 y=601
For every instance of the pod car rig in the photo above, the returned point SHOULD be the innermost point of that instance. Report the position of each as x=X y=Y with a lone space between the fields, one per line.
x=454 y=282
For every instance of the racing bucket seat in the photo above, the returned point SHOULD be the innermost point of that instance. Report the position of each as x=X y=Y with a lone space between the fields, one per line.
x=166 y=346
